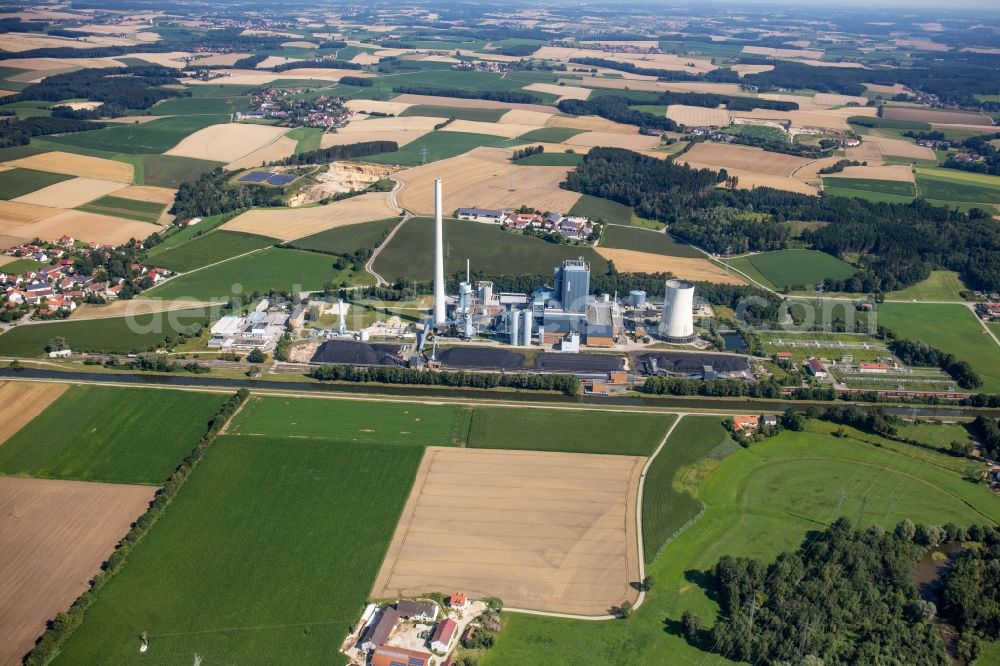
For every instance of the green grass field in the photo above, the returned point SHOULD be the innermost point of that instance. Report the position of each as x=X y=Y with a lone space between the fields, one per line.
x=130 y=209
x=210 y=248
x=348 y=239
x=118 y=335
x=156 y=136
x=934 y=433
x=603 y=210
x=947 y=189
x=550 y=134
x=110 y=434
x=784 y=268
x=759 y=502
x=200 y=106
x=439 y=145
x=456 y=112
x=666 y=505
x=179 y=235
x=18 y=182
x=307 y=138
x=568 y=431
x=940 y=286
x=20 y=265
x=272 y=268
x=267 y=555
x=489 y=249
x=896 y=187
x=847 y=193
x=887 y=123
x=171 y=171
x=551 y=159
x=645 y=240
x=354 y=421
x=950 y=328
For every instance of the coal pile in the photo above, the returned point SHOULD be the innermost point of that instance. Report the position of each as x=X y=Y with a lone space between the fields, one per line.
x=350 y=352
x=683 y=363
x=480 y=358
x=579 y=362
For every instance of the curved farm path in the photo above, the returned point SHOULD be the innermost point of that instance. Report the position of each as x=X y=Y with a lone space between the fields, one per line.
x=370 y=266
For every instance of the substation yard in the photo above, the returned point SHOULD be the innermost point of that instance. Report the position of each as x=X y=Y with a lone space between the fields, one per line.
x=542 y=531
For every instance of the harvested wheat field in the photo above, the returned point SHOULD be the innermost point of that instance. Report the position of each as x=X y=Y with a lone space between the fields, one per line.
x=274 y=151
x=370 y=105
x=403 y=123
x=221 y=59
x=226 y=142
x=726 y=156
x=749 y=180
x=900 y=172
x=811 y=171
x=89 y=227
x=564 y=92
x=591 y=124
x=9 y=240
x=71 y=193
x=20 y=402
x=459 y=102
x=485 y=178
x=541 y=531
x=698 y=116
x=163 y=195
x=54 y=536
x=76 y=165
x=615 y=139
x=662 y=86
x=366 y=59
x=667 y=61
x=401 y=137
x=900 y=148
x=520 y=117
x=895 y=89
x=687 y=268
x=15 y=215
x=292 y=223
x=939 y=116
x=234 y=77
x=135 y=307
x=743 y=70
x=507 y=130
x=783 y=53
x=834 y=99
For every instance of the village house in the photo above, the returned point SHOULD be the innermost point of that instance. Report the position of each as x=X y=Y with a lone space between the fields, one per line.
x=425 y=611
x=378 y=632
x=386 y=655
x=817 y=369
x=458 y=601
x=443 y=634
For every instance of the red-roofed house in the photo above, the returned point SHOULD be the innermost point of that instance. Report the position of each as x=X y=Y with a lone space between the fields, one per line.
x=880 y=368
x=386 y=655
x=443 y=634
x=745 y=423
x=458 y=600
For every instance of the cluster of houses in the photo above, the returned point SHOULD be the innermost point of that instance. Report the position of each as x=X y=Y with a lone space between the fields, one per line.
x=988 y=311
x=380 y=640
x=57 y=289
x=567 y=226
x=285 y=106
x=751 y=424
x=481 y=66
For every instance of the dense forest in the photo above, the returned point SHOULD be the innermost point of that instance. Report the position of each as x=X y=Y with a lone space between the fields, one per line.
x=732 y=102
x=617 y=109
x=344 y=152
x=211 y=195
x=117 y=87
x=970 y=595
x=845 y=597
x=18 y=131
x=900 y=243
x=316 y=64
x=513 y=96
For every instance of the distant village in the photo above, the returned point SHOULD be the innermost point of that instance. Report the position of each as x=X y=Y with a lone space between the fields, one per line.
x=286 y=106
x=571 y=227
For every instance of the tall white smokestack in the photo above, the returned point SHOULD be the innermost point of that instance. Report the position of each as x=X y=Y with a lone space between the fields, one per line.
x=439 y=305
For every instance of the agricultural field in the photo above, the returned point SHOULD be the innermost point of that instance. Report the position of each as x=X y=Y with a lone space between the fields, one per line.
x=15 y=183
x=568 y=159
x=272 y=268
x=56 y=535
x=604 y=210
x=439 y=145
x=233 y=521
x=950 y=328
x=935 y=433
x=620 y=433
x=490 y=250
x=171 y=171
x=551 y=134
x=645 y=240
x=688 y=268
x=938 y=186
x=210 y=248
x=349 y=239
x=130 y=209
x=178 y=236
x=936 y=116
x=717 y=156
x=117 y=335
x=75 y=165
x=758 y=502
x=156 y=136
x=354 y=421
x=458 y=113
x=697 y=116
x=834 y=186
x=227 y=142
x=542 y=531
x=783 y=269
x=200 y=106
x=940 y=286
x=22 y=402
x=71 y=193
x=110 y=434
x=291 y=223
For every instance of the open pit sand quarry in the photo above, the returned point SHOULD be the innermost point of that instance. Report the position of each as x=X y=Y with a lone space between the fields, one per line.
x=341 y=177
x=485 y=178
x=20 y=402
x=541 y=531
x=831 y=119
x=227 y=142
x=76 y=165
x=71 y=193
x=746 y=158
x=292 y=223
x=54 y=536
x=687 y=268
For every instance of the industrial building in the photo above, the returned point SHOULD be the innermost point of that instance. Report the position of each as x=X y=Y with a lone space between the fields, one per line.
x=260 y=329
x=677 y=321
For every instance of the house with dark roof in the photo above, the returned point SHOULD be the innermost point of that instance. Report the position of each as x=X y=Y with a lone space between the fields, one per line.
x=387 y=655
x=425 y=611
x=379 y=631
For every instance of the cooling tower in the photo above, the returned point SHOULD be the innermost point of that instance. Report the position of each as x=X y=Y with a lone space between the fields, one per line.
x=677 y=324
x=439 y=301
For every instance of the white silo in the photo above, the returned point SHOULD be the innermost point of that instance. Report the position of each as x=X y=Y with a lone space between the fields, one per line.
x=528 y=325
x=637 y=298
x=677 y=323
x=515 y=327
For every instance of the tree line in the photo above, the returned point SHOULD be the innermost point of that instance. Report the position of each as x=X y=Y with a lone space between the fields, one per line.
x=568 y=384
x=513 y=96
x=344 y=152
x=613 y=107
x=317 y=64
x=18 y=131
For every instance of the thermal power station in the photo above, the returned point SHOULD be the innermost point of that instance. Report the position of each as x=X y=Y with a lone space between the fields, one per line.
x=677 y=323
x=439 y=297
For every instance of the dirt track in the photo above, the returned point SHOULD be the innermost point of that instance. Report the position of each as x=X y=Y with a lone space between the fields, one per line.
x=54 y=535
x=542 y=531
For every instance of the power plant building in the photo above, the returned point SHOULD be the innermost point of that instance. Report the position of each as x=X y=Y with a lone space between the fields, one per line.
x=677 y=322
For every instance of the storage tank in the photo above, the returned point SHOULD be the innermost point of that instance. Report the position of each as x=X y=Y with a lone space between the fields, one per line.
x=677 y=323
x=637 y=298
x=464 y=296
x=528 y=325
x=515 y=327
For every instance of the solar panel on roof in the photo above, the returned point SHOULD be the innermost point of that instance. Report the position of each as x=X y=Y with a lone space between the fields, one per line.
x=256 y=177
x=280 y=179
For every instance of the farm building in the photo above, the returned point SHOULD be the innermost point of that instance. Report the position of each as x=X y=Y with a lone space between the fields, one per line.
x=387 y=655
x=379 y=631
x=745 y=423
x=443 y=634
x=481 y=215
x=425 y=611
x=817 y=369
x=873 y=368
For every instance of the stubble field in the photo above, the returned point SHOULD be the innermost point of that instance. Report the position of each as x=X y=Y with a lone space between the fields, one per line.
x=287 y=224
x=688 y=268
x=725 y=156
x=20 y=402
